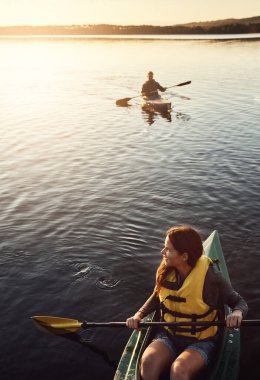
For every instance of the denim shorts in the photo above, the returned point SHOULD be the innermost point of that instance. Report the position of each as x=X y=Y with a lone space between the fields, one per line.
x=178 y=344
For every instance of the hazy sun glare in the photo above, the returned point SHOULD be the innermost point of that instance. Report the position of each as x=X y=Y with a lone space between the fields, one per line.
x=30 y=70
x=28 y=67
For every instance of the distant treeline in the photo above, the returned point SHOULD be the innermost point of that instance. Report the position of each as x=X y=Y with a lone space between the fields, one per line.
x=230 y=26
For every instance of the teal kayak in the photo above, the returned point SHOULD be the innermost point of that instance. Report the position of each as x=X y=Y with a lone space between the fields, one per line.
x=226 y=365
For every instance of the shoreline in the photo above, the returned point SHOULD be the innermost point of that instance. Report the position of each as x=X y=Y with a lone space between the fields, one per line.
x=174 y=37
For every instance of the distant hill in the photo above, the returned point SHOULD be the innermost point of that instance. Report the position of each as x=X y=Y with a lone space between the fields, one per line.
x=231 y=25
x=227 y=26
x=228 y=21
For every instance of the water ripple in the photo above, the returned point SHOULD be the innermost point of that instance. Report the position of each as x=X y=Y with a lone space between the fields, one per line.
x=88 y=189
x=107 y=282
x=103 y=279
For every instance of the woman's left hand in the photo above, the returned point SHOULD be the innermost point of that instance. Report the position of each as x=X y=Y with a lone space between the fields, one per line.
x=133 y=322
x=234 y=319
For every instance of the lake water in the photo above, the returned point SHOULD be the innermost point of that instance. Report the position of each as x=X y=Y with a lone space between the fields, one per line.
x=88 y=189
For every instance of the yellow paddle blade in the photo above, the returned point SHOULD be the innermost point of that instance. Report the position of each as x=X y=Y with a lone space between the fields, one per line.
x=57 y=325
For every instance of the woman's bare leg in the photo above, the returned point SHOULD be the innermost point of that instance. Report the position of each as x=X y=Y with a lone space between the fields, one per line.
x=187 y=364
x=156 y=358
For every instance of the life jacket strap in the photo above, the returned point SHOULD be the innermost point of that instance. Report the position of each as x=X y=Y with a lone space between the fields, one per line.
x=175 y=298
x=192 y=317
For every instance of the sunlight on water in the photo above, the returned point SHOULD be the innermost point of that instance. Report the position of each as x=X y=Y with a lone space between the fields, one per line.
x=89 y=188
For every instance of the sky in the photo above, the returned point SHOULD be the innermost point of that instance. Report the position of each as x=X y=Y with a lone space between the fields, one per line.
x=122 y=12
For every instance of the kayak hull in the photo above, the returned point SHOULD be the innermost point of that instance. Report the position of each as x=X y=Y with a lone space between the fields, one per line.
x=226 y=365
x=157 y=104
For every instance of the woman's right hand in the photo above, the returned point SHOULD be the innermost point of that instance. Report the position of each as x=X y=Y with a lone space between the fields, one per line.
x=133 y=322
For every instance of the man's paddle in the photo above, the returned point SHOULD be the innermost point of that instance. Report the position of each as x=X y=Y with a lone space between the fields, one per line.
x=62 y=326
x=123 y=102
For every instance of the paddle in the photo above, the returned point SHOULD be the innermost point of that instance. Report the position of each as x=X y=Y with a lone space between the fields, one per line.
x=61 y=326
x=123 y=102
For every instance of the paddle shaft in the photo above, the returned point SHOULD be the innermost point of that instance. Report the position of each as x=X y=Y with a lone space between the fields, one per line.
x=251 y=322
x=60 y=326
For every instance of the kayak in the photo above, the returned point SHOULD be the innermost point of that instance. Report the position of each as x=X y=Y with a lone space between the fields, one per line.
x=156 y=104
x=226 y=365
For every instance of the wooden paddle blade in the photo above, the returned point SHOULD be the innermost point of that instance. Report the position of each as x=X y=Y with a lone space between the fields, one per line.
x=123 y=102
x=57 y=325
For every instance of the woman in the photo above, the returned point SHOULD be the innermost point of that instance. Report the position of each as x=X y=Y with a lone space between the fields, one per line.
x=187 y=286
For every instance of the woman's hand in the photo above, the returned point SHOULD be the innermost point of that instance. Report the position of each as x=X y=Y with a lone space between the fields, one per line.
x=234 y=319
x=133 y=322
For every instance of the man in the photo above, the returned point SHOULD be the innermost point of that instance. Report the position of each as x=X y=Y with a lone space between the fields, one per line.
x=150 y=87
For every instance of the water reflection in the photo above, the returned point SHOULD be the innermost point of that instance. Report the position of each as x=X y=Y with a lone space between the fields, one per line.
x=182 y=116
x=151 y=116
x=80 y=340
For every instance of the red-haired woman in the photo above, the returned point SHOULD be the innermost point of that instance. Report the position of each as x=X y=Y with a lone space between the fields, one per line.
x=187 y=286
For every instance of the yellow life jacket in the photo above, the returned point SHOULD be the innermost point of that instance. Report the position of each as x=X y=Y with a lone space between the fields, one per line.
x=186 y=304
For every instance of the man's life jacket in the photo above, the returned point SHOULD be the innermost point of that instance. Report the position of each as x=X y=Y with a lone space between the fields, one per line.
x=186 y=304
